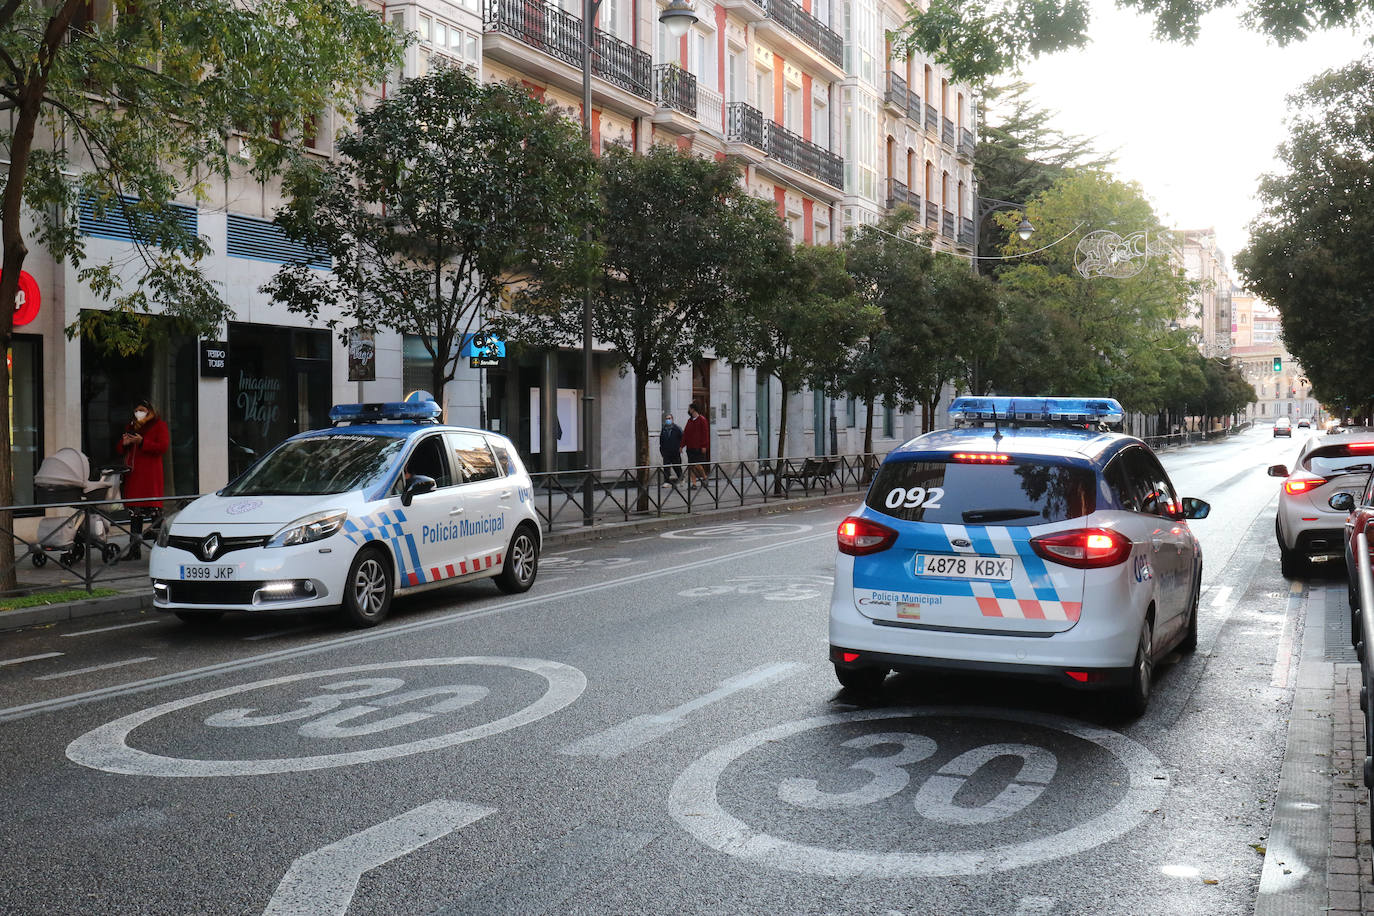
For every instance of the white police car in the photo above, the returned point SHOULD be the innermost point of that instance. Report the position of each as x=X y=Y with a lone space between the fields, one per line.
x=386 y=501
x=1027 y=540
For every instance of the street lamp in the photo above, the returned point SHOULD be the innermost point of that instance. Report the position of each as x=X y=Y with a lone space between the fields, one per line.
x=677 y=17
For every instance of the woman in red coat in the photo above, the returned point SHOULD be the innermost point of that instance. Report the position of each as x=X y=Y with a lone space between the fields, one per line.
x=145 y=440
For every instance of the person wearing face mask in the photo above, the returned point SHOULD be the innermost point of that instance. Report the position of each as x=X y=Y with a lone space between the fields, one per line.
x=145 y=440
x=670 y=447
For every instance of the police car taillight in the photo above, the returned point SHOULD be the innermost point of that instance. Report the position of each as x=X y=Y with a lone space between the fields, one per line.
x=1083 y=548
x=1303 y=483
x=859 y=536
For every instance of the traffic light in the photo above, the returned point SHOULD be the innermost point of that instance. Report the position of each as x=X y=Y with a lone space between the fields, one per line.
x=1278 y=364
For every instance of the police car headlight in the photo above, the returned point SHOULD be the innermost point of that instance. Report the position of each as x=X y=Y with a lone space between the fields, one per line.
x=315 y=527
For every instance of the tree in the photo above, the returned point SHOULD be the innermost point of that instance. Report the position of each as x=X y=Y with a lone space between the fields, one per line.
x=684 y=249
x=1309 y=252
x=801 y=335
x=141 y=99
x=447 y=193
x=977 y=39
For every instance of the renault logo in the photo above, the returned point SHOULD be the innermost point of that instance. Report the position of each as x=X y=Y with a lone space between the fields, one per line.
x=209 y=547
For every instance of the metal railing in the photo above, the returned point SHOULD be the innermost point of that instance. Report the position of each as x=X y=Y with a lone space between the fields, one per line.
x=914 y=200
x=965 y=231
x=932 y=214
x=966 y=143
x=675 y=88
x=932 y=117
x=645 y=492
x=803 y=155
x=947 y=132
x=806 y=27
x=896 y=90
x=744 y=124
x=913 y=107
x=559 y=34
x=898 y=194
x=947 y=224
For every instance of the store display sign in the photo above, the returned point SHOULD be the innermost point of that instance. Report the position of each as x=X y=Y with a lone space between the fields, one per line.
x=214 y=359
x=362 y=356
x=483 y=350
x=27 y=300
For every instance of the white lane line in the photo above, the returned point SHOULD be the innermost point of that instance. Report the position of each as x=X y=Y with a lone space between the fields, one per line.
x=323 y=882
x=564 y=553
x=1221 y=596
x=647 y=537
x=696 y=549
x=29 y=658
x=275 y=633
x=76 y=671
x=640 y=730
x=120 y=626
x=501 y=606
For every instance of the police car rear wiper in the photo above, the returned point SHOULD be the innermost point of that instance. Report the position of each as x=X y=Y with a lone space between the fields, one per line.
x=997 y=515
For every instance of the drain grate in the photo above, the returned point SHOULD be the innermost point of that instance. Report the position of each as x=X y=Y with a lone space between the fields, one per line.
x=1338 y=646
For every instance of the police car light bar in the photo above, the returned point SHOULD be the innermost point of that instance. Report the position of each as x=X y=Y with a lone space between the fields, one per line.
x=406 y=411
x=968 y=410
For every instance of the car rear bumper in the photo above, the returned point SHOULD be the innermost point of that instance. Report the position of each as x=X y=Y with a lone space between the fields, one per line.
x=1088 y=678
x=1321 y=542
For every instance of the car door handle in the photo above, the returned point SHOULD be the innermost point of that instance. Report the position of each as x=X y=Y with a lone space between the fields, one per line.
x=456 y=510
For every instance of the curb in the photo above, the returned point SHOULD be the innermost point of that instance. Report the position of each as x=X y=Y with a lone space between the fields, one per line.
x=140 y=599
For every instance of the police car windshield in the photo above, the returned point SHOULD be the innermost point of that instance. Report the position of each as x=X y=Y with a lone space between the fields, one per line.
x=336 y=463
x=1022 y=492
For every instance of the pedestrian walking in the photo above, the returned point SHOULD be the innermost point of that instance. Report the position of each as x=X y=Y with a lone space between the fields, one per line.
x=670 y=447
x=145 y=440
x=696 y=438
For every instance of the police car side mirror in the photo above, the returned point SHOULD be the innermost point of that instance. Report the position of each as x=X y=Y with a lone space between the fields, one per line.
x=418 y=484
x=1195 y=508
x=1278 y=470
x=1342 y=502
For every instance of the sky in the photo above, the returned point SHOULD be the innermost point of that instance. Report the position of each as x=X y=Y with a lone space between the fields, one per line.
x=1195 y=125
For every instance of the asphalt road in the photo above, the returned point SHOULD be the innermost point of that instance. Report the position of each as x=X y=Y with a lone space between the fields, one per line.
x=654 y=728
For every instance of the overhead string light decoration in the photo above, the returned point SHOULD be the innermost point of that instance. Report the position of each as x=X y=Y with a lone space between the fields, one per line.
x=1103 y=253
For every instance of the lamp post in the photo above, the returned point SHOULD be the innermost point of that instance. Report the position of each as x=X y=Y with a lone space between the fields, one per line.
x=677 y=17
x=987 y=206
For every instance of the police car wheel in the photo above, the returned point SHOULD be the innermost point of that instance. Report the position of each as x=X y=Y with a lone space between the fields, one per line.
x=1189 y=641
x=1136 y=697
x=522 y=562
x=367 y=591
x=864 y=680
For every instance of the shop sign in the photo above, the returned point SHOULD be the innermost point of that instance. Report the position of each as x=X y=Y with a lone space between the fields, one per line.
x=483 y=350
x=362 y=356
x=27 y=300
x=214 y=359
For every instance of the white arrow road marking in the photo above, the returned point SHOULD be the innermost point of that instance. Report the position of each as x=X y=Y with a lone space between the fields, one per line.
x=323 y=882
x=639 y=731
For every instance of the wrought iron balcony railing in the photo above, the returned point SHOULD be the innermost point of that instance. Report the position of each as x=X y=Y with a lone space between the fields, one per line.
x=803 y=155
x=675 y=88
x=967 y=145
x=913 y=107
x=914 y=200
x=966 y=232
x=559 y=34
x=947 y=132
x=932 y=117
x=897 y=194
x=806 y=27
x=932 y=214
x=744 y=124
x=896 y=90
x=947 y=225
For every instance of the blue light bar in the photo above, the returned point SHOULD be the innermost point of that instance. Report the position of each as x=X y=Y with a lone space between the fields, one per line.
x=1036 y=410
x=413 y=411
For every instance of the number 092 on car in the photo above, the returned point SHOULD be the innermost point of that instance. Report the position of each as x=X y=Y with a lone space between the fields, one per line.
x=1002 y=569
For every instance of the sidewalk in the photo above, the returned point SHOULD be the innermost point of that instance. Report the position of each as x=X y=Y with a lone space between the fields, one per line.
x=130 y=577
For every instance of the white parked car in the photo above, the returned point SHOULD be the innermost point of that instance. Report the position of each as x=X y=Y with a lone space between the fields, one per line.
x=384 y=502
x=1306 y=526
x=1019 y=543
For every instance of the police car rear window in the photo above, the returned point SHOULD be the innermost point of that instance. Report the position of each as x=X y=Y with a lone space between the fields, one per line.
x=1023 y=492
x=320 y=465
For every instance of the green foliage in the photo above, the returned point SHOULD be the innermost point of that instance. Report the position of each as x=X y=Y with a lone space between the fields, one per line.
x=1309 y=253
x=684 y=250
x=140 y=100
x=978 y=39
x=447 y=193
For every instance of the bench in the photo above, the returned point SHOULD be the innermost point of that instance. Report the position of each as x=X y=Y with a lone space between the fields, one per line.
x=812 y=472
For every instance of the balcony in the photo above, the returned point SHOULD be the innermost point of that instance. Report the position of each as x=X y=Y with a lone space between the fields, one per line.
x=817 y=37
x=947 y=132
x=932 y=118
x=947 y=225
x=914 y=201
x=966 y=238
x=744 y=125
x=897 y=194
x=559 y=35
x=803 y=155
x=711 y=110
x=897 y=94
x=932 y=214
x=913 y=107
x=675 y=91
x=966 y=144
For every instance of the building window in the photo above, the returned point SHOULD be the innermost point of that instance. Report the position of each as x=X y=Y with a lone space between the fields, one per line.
x=736 y=383
x=851 y=413
x=280 y=384
x=26 y=413
x=889 y=422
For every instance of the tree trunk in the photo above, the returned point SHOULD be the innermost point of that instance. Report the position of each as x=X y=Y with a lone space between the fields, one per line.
x=644 y=473
x=781 y=465
x=928 y=409
x=868 y=426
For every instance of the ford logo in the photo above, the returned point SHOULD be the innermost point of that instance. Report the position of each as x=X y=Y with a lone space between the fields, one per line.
x=246 y=506
x=961 y=542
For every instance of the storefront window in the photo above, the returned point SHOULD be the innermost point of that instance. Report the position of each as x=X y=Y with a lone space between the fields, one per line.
x=280 y=384
x=167 y=373
x=26 y=413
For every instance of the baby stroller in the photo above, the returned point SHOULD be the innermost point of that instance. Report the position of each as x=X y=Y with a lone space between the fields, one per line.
x=64 y=477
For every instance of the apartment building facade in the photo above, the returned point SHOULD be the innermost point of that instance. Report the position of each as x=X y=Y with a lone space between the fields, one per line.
x=831 y=128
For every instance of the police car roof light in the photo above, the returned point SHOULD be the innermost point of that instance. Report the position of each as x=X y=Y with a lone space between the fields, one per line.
x=1075 y=411
x=416 y=411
